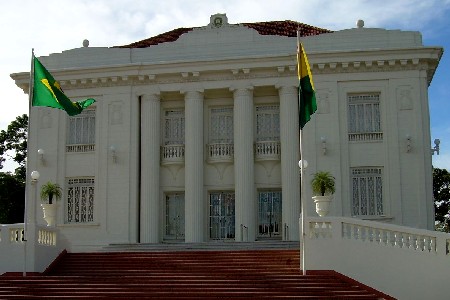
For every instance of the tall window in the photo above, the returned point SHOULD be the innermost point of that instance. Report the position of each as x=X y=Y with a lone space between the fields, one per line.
x=221 y=129
x=174 y=127
x=364 y=117
x=268 y=123
x=81 y=132
x=80 y=200
x=367 y=191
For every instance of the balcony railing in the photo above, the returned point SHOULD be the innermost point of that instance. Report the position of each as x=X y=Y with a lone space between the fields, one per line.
x=220 y=152
x=268 y=150
x=172 y=154
x=365 y=137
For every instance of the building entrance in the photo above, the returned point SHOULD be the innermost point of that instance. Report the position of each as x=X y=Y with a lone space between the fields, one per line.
x=269 y=214
x=221 y=216
x=174 y=223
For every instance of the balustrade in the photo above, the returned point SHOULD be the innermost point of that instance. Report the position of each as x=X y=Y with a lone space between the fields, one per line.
x=46 y=237
x=80 y=148
x=391 y=238
x=366 y=136
x=320 y=230
x=16 y=235
x=172 y=154
x=269 y=150
x=220 y=152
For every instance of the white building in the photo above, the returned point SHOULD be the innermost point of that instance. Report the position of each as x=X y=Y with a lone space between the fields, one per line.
x=194 y=136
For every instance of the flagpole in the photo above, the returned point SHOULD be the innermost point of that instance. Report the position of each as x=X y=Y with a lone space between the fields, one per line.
x=25 y=220
x=302 y=170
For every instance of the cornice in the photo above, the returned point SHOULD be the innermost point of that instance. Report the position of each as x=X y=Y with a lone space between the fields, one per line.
x=249 y=69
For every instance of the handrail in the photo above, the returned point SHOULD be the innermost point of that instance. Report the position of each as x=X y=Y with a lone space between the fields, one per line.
x=243 y=227
x=286 y=232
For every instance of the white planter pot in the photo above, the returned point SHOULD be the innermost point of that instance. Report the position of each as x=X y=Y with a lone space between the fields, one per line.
x=50 y=213
x=322 y=204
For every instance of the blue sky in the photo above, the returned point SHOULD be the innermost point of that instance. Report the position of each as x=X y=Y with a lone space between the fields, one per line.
x=57 y=25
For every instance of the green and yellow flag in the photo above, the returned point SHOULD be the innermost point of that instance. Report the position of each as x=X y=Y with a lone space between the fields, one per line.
x=47 y=92
x=307 y=98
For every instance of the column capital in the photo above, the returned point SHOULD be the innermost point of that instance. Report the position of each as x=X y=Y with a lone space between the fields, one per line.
x=287 y=89
x=151 y=97
x=143 y=91
x=246 y=90
x=192 y=89
x=192 y=94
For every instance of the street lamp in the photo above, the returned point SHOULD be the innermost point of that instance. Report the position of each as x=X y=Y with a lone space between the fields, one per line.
x=34 y=178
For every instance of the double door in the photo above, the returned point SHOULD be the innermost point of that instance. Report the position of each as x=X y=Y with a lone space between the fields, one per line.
x=174 y=225
x=269 y=214
x=221 y=216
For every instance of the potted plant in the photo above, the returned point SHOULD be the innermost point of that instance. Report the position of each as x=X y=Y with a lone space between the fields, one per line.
x=50 y=191
x=323 y=187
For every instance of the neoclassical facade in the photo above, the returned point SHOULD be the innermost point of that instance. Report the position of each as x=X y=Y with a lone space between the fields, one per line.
x=194 y=136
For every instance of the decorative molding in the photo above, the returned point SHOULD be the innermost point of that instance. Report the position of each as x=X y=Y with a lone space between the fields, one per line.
x=116 y=113
x=46 y=120
x=323 y=101
x=404 y=97
x=275 y=71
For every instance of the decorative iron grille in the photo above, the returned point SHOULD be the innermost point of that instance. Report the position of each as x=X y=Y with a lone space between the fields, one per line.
x=81 y=132
x=268 y=123
x=221 y=125
x=364 y=121
x=367 y=191
x=80 y=200
x=174 y=128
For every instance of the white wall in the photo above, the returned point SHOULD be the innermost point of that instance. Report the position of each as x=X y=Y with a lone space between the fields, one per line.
x=399 y=264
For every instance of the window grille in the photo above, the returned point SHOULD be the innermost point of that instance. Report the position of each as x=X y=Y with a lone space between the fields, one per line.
x=80 y=200
x=268 y=123
x=367 y=191
x=174 y=128
x=364 y=117
x=81 y=132
x=221 y=129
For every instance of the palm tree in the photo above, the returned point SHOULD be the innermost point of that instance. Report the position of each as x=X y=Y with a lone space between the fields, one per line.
x=323 y=182
x=50 y=190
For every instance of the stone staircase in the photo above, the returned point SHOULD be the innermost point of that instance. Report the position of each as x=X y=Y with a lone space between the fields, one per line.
x=144 y=273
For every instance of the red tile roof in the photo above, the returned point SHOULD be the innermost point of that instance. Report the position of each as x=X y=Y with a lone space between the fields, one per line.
x=281 y=28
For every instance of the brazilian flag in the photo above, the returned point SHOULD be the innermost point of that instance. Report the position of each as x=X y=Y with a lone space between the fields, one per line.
x=47 y=92
x=307 y=97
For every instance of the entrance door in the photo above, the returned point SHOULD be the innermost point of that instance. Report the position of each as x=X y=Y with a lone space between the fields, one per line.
x=174 y=216
x=221 y=216
x=269 y=214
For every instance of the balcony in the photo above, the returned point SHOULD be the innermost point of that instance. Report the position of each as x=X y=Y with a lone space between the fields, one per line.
x=172 y=154
x=267 y=151
x=220 y=153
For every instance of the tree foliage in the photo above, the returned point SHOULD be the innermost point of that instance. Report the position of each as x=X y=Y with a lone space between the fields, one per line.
x=13 y=144
x=441 y=194
x=12 y=199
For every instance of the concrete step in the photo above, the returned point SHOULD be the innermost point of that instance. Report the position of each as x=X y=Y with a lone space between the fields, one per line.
x=183 y=274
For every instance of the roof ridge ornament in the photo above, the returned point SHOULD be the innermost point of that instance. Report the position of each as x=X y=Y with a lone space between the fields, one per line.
x=218 y=20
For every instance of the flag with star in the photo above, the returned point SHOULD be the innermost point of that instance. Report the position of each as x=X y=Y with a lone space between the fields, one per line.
x=47 y=92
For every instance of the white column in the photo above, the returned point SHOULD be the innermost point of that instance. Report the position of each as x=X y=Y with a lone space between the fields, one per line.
x=194 y=196
x=150 y=147
x=244 y=177
x=290 y=178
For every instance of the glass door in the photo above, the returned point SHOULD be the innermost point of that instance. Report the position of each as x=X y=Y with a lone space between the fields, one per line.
x=221 y=216
x=269 y=214
x=174 y=227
